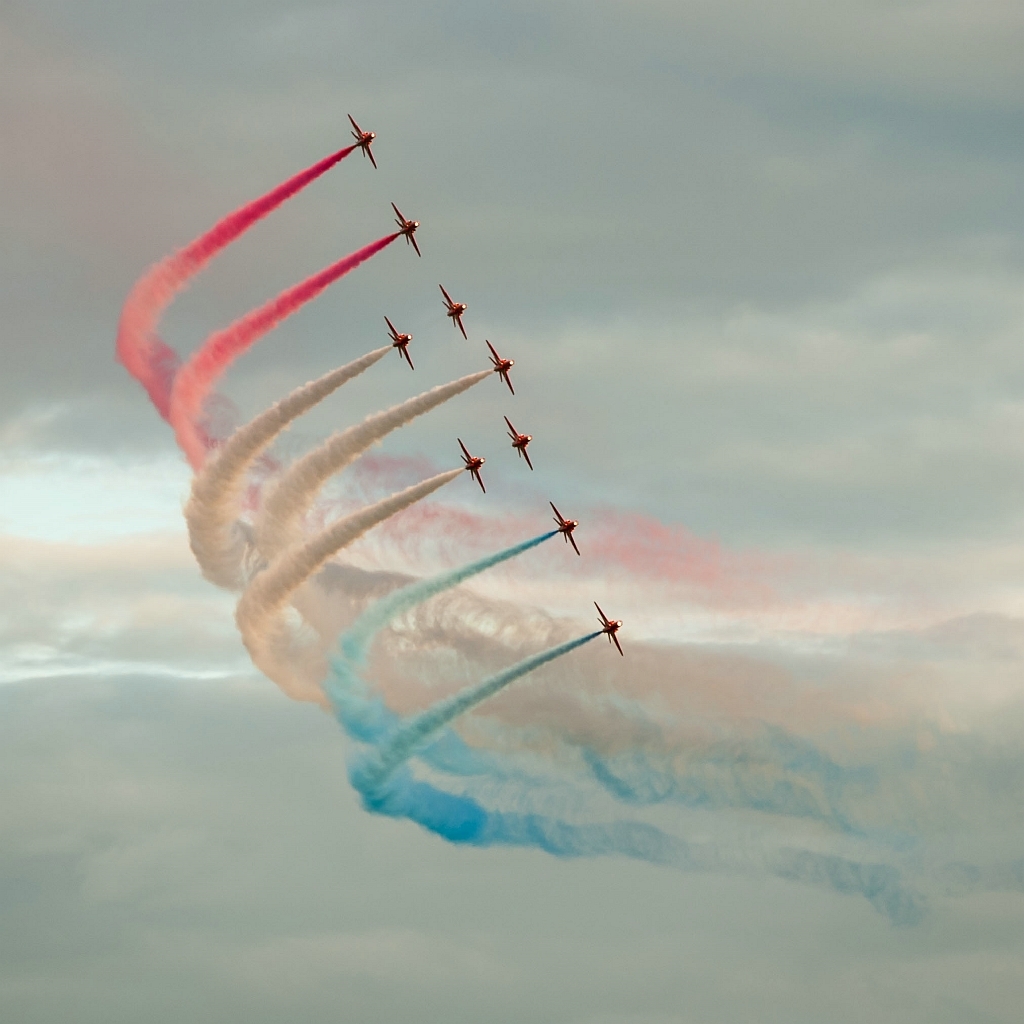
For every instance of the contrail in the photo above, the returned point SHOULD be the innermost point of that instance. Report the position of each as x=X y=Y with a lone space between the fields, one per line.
x=197 y=376
x=262 y=603
x=295 y=492
x=379 y=765
x=144 y=355
x=216 y=490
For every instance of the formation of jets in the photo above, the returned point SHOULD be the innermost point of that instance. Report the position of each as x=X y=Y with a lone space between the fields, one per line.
x=520 y=442
x=609 y=626
x=401 y=342
x=454 y=310
x=363 y=140
x=407 y=228
x=501 y=366
x=473 y=464
x=565 y=527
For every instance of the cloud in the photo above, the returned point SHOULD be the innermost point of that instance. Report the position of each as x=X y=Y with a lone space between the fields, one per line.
x=127 y=607
x=151 y=843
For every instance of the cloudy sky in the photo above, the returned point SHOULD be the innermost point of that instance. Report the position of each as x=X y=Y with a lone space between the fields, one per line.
x=761 y=267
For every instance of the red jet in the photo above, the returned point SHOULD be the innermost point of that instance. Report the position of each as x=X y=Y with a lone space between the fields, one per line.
x=363 y=140
x=401 y=342
x=502 y=366
x=520 y=441
x=609 y=626
x=565 y=527
x=473 y=464
x=455 y=310
x=407 y=228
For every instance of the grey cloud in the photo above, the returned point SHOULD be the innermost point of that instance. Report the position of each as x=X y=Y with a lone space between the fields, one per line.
x=109 y=610
x=170 y=854
x=818 y=254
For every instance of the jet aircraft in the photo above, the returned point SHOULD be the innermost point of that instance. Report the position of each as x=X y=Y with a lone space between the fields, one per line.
x=401 y=342
x=473 y=464
x=407 y=228
x=455 y=310
x=609 y=626
x=502 y=366
x=363 y=140
x=520 y=441
x=565 y=527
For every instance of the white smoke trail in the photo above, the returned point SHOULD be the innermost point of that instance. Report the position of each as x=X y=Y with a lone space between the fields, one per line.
x=216 y=491
x=278 y=520
x=260 y=612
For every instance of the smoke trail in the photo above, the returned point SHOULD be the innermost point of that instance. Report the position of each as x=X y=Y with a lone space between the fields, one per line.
x=259 y=612
x=144 y=355
x=295 y=491
x=359 y=634
x=461 y=819
x=387 y=786
x=387 y=757
x=216 y=490
x=196 y=377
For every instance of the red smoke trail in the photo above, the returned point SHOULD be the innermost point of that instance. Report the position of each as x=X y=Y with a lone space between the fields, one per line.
x=196 y=378
x=151 y=362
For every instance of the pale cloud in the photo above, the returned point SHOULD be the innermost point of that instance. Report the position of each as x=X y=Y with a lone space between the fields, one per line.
x=760 y=267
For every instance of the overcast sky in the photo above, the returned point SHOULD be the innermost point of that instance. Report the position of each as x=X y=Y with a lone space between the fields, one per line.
x=761 y=267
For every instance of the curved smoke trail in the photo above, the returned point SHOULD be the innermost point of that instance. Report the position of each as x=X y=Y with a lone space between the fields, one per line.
x=294 y=493
x=216 y=490
x=151 y=362
x=359 y=635
x=195 y=379
x=387 y=786
x=259 y=614
x=462 y=819
x=375 y=769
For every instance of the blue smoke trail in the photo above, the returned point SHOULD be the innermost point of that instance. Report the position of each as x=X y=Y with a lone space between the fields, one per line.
x=460 y=819
x=367 y=718
x=388 y=786
x=359 y=635
x=778 y=774
x=414 y=733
